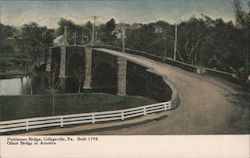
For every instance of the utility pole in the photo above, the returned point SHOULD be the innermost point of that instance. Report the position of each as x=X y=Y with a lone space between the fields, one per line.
x=164 y=39
x=65 y=36
x=82 y=39
x=123 y=39
x=0 y=15
x=175 y=41
x=247 y=58
x=96 y=35
x=93 y=31
x=246 y=49
x=74 y=38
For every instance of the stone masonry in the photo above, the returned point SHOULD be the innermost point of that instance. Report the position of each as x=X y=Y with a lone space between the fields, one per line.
x=121 y=76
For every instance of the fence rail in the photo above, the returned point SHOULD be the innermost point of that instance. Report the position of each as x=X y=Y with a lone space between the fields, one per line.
x=72 y=119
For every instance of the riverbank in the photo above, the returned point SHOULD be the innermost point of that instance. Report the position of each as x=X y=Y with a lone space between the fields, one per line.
x=26 y=106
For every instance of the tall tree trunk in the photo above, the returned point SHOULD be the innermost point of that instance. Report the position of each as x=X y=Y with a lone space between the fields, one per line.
x=79 y=88
x=53 y=103
x=195 y=57
x=31 y=87
x=246 y=64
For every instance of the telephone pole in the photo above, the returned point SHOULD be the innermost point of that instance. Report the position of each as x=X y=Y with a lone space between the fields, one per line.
x=82 y=39
x=0 y=15
x=65 y=36
x=74 y=38
x=247 y=59
x=175 y=40
x=93 y=31
x=123 y=39
x=164 y=37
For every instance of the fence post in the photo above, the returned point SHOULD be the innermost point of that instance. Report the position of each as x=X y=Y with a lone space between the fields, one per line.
x=61 y=121
x=165 y=106
x=93 y=118
x=144 y=111
x=122 y=115
x=169 y=105
x=27 y=125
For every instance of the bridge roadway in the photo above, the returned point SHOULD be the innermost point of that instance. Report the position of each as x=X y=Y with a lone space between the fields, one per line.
x=206 y=105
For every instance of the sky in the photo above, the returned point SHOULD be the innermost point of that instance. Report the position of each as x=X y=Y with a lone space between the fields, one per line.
x=48 y=13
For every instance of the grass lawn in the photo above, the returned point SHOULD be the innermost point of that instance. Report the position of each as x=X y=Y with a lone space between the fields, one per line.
x=18 y=107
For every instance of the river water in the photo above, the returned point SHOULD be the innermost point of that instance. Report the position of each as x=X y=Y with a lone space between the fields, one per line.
x=14 y=86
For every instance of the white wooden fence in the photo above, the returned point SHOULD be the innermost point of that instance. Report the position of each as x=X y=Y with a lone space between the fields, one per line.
x=63 y=120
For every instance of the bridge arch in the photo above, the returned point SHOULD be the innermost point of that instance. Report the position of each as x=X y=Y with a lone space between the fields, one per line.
x=75 y=70
x=104 y=78
x=100 y=58
x=137 y=85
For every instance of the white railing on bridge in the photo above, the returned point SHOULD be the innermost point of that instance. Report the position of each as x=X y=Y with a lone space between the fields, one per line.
x=63 y=120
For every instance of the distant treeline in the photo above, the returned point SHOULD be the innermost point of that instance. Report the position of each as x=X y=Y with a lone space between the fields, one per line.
x=202 y=41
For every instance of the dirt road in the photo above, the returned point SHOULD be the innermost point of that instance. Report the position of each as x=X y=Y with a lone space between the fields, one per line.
x=207 y=105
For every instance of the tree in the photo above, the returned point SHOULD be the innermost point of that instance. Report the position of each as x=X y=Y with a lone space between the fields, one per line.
x=219 y=48
x=8 y=48
x=145 y=39
x=82 y=31
x=105 y=31
x=53 y=84
x=243 y=22
x=79 y=73
x=191 y=34
x=34 y=40
x=6 y=36
x=88 y=30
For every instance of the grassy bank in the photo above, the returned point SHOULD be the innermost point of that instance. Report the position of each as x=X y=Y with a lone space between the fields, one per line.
x=18 y=107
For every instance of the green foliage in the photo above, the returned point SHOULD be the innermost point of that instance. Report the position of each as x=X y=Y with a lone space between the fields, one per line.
x=146 y=39
x=9 y=49
x=190 y=35
x=33 y=43
x=201 y=41
x=210 y=43
x=6 y=36
x=105 y=32
x=83 y=32
x=35 y=39
x=243 y=23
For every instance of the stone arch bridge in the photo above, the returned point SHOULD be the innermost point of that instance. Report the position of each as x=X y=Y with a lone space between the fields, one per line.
x=104 y=72
x=208 y=104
